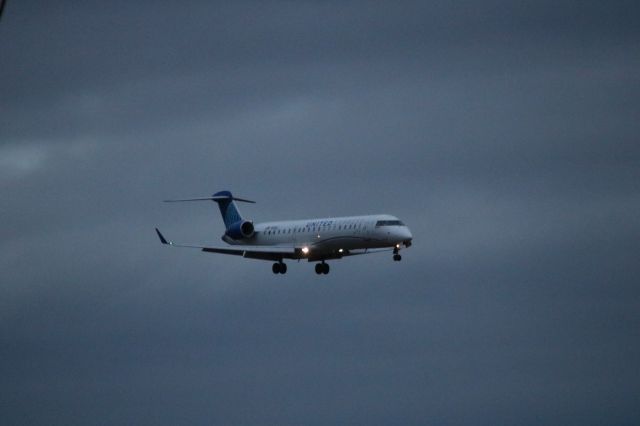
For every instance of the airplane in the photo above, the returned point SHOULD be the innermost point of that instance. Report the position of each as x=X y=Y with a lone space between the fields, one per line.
x=314 y=240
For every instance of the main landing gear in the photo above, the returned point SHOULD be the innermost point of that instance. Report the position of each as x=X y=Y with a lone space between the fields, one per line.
x=279 y=268
x=322 y=268
x=396 y=254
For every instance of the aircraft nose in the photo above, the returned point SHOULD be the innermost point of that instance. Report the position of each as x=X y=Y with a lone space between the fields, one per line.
x=405 y=234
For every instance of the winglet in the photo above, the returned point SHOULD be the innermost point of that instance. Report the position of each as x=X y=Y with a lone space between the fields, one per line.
x=162 y=238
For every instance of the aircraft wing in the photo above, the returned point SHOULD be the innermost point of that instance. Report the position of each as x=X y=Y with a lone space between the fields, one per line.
x=252 y=252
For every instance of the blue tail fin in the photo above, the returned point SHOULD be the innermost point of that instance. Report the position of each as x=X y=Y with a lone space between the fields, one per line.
x=228 y=208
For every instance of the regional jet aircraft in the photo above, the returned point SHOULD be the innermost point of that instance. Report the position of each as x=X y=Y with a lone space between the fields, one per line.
x=314 y=240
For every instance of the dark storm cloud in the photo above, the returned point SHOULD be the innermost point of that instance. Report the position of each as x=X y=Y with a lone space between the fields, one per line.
x=503 y=133
x=248 y=52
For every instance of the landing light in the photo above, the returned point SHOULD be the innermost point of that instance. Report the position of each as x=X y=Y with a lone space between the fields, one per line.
x=305 y=250
x=340 y=250
x=397 y=246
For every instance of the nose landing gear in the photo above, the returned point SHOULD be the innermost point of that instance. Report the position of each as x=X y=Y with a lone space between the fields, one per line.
x=279 y=268
x=322 y=268
x=396 y=254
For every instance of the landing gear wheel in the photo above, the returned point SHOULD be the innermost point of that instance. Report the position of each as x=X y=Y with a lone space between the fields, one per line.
x=322 y=268
x=397 y=257
x=279 y=268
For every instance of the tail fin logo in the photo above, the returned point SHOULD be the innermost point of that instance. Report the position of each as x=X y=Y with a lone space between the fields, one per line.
x=228 y=208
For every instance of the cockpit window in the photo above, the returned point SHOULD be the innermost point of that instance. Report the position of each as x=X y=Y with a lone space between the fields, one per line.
x=389 y=223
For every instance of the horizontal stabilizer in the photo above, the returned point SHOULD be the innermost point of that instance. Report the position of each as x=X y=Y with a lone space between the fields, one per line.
x=214 y=198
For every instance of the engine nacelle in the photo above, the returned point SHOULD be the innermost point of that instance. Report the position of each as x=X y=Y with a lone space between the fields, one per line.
x=241 y=229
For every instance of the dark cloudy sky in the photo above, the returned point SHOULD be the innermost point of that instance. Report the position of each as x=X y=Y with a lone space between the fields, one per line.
x=505 y=133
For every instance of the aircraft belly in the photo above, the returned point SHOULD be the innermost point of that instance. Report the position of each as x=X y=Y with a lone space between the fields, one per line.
x=347 y=243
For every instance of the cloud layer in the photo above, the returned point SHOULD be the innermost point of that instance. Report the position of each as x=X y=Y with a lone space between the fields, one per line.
x=504 y=134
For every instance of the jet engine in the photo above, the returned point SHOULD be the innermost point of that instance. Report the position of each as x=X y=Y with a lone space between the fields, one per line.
x=241 y=229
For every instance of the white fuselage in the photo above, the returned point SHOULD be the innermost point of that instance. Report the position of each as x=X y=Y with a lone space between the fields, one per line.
x=326 y=237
